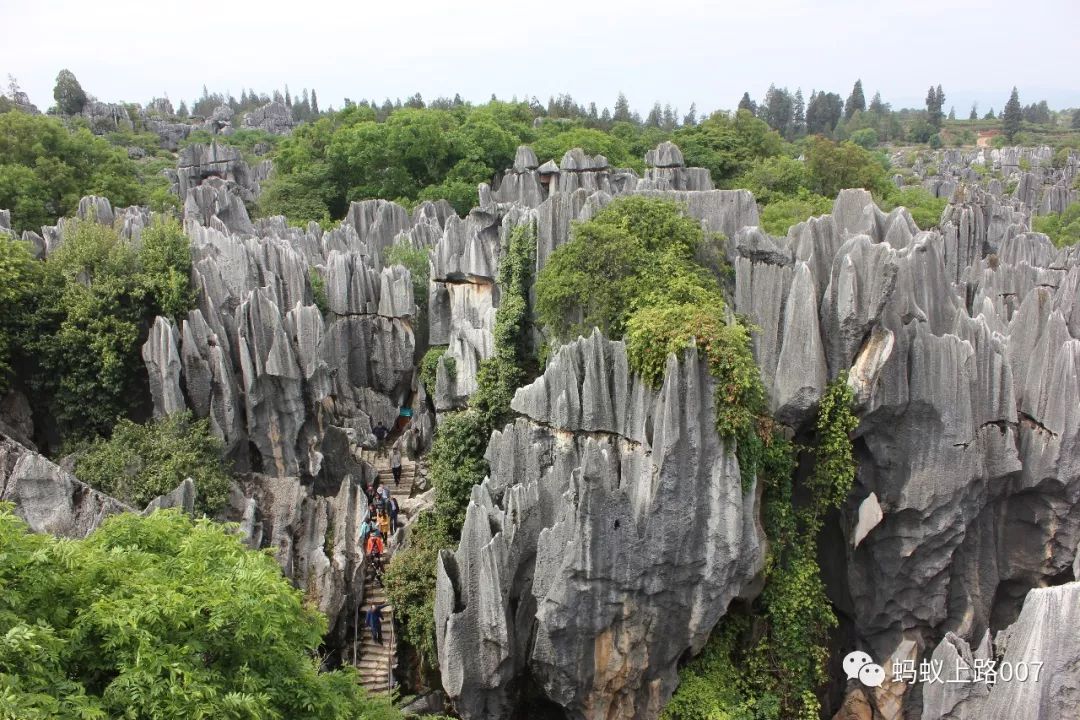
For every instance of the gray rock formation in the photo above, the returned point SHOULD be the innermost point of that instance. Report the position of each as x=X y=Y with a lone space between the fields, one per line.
x=48 y=498
x=610 y=537
x=197 y=162
x=273 y=117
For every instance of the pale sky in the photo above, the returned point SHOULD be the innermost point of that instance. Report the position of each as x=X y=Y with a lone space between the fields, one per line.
x=669 y=51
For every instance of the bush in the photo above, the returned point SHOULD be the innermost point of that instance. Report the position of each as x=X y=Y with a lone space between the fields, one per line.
x=836 y=166
x=779 y=216
x=429 y=366
x=610 y=262
x=769 y=660
x=925 y=209
x=81 y=336
x=1063 y=228
x=417 y=261
x=140 y=462
x=727 y=145
x=161 y=617
x=45 y=169
x=866 y=138
x=410 y=585
x=774 y=179
x=19 y=277
x=318 y=290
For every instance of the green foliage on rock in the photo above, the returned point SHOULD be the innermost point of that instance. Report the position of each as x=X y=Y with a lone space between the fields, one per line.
x=163 y=618
x=866 y=138
x=417 y=261
x=768 y=661
x=633 y=245
x=140 y=462
x=778 y=216
x=925 y=209
x=410 y=585
x=429 y=366
x=318 y=290
x=774 y=179
x=1063 y=228
x=45 y=169
x=81 y=331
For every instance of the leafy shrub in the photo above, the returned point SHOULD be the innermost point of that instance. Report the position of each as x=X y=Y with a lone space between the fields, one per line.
x=611 y=261
x=416 y=260
x=165 y=257
x=779 y=216
x=45 y=169
x=141 y=462
x=935 y=141
x=727 y=145
x=19 y=276
x=925 y=209
x=410 y=585
x=161 y=617
x=774 y=178
x=81 y=334
x=866 y=138
x=769 y=660
x=1063 y=228
x=429 y=366
x=836 y=166
x=318 y=290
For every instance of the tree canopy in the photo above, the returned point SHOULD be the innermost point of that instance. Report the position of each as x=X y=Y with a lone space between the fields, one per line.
x=45 y=169
x=160 y=618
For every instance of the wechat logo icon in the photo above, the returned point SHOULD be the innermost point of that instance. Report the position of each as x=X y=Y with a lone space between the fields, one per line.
x=859 y=665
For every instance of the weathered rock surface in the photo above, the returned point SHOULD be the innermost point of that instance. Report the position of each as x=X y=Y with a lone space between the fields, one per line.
x=273 y=117
x=48 y=498
x=610 y=537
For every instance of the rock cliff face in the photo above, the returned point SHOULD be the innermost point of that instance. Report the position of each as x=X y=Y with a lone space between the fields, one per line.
x=609 y=539
x=961 y=345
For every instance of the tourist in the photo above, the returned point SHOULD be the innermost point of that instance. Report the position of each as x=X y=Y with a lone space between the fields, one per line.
x=394 y=509
x=395 y=463
x=373 y=619
x=375 y=545
x=384 y=524
x=380 y=432
x=365 y=529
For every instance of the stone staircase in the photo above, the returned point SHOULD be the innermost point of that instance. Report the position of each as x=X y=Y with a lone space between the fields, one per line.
x=376 y=663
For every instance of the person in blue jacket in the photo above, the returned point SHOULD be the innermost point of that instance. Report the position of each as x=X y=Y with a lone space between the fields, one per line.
x=373 y=619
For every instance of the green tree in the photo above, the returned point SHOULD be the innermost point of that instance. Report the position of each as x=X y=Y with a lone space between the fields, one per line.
x=19 y=277
x=866 y=138
x=1076 y=119
x=774 y=178
x=745 y=103
x=779 y=215
x=594 y=280
x=835 y=166
x=141 y=462
x=89 y=315
x=1012 y=116
x=856 y=101
x=68 y=93
x=45 y=169
x=163 y=618
x=1063 y=228
x=727 y=145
